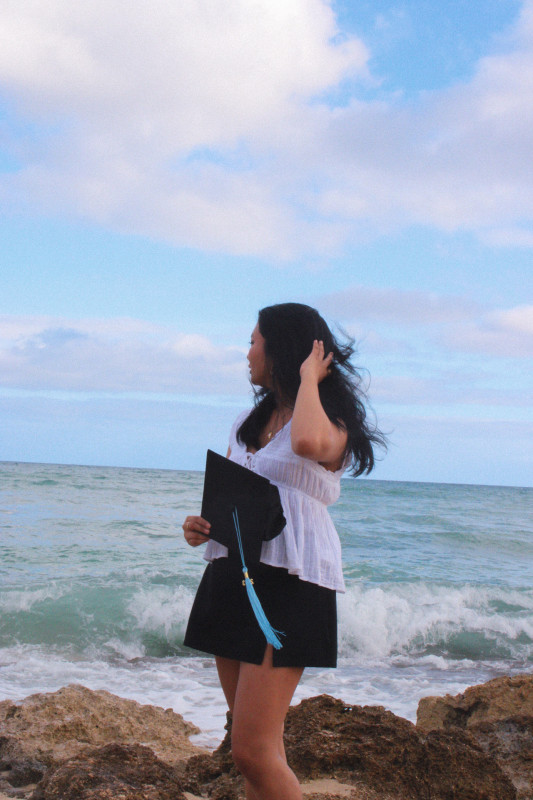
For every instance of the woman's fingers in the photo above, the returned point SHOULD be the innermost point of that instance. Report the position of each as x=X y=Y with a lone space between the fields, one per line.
x=194 y=539
x=196 y=530
x=198 y=524
x=317 y=363
x=318 y=352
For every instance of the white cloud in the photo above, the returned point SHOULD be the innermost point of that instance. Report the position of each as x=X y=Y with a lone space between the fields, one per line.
x=201 y=124
x=156 y=103
x=396 y=306
x=508 y=237
x=442 y=364
x=455 y=159
x=506 y=333
x=120 y=355
x=447 y=390
x=519 y=319
x=398 y=320
x=181 y=75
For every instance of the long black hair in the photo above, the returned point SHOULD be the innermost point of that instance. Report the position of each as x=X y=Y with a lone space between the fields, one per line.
x=289 y=330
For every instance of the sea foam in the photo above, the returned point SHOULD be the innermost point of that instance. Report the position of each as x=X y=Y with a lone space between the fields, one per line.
x=97 y=583
x=418 y=618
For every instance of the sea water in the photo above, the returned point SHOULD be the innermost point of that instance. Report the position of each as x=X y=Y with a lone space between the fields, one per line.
x=96 y=584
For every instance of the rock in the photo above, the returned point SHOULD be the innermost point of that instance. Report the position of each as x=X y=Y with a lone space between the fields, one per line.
x=510 y=742
x=95 y=746
x=46 y=729
x=498 y=715
x=213 y=774
x=373 y=747
x=112 y=772
x=49 y=728
x=370 y=749
x=17 y=769
x=7 y=792
x=497 y=699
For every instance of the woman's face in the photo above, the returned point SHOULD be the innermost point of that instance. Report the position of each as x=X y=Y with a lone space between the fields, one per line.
x=257 y=360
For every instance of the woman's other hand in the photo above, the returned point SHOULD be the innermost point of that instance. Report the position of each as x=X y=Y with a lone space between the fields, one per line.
x=316 y=365
x=196 y=530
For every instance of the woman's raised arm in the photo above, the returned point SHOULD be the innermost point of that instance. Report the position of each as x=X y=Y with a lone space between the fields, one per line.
x=313 y=435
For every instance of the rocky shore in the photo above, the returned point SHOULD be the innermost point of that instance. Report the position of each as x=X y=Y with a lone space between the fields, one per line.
x=78 y=744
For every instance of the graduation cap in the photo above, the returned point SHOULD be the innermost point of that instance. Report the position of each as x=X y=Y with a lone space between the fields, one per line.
x=228 y=486
x=244 y=510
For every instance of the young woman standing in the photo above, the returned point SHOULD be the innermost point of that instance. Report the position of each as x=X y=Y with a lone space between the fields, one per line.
x=307 y=426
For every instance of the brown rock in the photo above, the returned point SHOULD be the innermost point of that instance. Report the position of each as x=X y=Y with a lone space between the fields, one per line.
x=497 y=699
x=112 y=772
x=49 y=728
x=378 y=754
x=510 y=742
x=371 y=749
x=498 y=715
x=371 y=746
x=16 y=767
x=213 y=774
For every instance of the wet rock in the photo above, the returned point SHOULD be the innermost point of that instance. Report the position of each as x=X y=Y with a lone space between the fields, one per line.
x=112 y=772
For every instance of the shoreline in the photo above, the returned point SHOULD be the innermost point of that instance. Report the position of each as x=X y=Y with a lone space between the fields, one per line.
x=480 y=740
x=190 y=685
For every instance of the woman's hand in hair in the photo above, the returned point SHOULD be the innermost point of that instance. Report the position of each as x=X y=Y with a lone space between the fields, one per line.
x=316 y=365
x=313 y=435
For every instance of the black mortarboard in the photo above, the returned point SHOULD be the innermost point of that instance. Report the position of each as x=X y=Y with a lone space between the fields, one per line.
x=228 y=486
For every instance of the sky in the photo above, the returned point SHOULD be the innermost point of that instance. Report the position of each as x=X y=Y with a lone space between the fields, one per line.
x=169 y=168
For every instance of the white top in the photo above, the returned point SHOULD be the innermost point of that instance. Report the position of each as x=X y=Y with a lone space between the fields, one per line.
x=309 y=545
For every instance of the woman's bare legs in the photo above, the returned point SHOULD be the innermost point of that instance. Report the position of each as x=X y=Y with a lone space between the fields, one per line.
x=228 y=673
x=258 y=697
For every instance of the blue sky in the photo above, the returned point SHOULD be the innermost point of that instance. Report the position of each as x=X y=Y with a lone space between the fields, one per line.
x=167 y=169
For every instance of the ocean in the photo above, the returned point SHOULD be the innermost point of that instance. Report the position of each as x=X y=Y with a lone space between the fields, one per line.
x=96 y=583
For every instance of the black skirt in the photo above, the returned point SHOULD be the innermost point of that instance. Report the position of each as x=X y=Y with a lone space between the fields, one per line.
x=222 y=621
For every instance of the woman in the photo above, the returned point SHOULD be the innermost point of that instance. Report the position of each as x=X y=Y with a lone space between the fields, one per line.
x=307 y=426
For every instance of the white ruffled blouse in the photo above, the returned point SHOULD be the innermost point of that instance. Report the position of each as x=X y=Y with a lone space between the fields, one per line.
x=309 y=545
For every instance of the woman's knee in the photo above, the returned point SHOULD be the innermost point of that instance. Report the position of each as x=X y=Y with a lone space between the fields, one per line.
x=251 y=755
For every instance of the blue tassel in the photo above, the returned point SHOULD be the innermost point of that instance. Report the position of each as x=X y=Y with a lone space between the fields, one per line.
x=264 y=624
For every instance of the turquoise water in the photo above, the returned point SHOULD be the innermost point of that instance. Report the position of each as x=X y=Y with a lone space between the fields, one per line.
x=96 y=584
